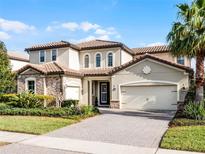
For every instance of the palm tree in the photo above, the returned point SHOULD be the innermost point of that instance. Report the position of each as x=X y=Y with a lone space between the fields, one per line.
x=187 y=38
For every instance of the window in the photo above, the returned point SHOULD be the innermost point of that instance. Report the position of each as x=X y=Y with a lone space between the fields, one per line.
x=180 y=60
x=53 y=54
x=110 y=59
x=31 y=86
x=42 y=56
x=86 y=61
x=98 y=60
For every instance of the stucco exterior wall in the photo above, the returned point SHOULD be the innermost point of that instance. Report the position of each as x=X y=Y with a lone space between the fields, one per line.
x=17 y=64
x=167 y=56
x=125 y=57
x=159 y=72
x=74 y=61
x=103 y=52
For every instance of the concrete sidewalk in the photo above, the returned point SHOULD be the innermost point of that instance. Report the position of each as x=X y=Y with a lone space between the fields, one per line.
x=12 y=137
x=46 y=144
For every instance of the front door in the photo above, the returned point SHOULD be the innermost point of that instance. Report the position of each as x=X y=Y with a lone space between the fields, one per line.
x=104 y=93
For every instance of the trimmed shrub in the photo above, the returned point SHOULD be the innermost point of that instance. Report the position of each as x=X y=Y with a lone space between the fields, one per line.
x=186 y=122
x=89 y=110
x=8 y=97
x=195 y=111
x=50 y=112
x=27 y=100
x=49 y=100
x=4 y=106
x=69 y=103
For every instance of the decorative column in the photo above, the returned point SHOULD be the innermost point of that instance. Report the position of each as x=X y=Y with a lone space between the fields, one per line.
x=90 y=92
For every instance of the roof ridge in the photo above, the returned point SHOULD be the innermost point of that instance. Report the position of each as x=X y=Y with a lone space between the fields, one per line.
x=151 y=46
x=107 y=41
x=55 y=63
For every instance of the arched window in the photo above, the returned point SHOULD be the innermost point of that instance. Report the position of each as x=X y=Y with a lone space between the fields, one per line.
x=86 y=61
x=110 y=59
x=98 y=60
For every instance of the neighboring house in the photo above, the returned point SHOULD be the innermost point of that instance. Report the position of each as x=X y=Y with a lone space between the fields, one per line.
x=18 y=60
x=105 y=73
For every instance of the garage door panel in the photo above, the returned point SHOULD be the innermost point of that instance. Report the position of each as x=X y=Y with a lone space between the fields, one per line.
x=149 y=98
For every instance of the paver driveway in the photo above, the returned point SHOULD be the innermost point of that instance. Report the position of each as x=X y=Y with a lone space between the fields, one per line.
x=143 y=129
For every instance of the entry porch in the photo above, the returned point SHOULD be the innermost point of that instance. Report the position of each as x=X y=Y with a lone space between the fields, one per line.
x=97 y=91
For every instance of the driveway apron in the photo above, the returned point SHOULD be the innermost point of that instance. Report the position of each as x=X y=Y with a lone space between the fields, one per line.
x=135 y=128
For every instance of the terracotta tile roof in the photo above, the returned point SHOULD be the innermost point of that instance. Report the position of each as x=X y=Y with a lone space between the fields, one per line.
x=140 y=58
x=96 y=72
x=50 y=68
x=60 y=44
x=153 y=49
x=17 y=56
x=56 y=68
x=93 y=44
x=98 y=44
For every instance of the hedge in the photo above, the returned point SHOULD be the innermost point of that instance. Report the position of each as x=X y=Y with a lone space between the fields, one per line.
x=186 y=122
x=26 y=99
x=51 y=112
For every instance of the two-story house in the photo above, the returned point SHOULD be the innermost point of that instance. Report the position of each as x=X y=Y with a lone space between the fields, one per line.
x=107 y=73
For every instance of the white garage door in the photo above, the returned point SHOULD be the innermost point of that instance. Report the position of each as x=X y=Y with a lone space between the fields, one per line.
x=149 y=97
x=72 y=93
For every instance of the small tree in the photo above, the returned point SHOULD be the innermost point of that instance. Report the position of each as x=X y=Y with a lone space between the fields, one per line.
x=7 y=78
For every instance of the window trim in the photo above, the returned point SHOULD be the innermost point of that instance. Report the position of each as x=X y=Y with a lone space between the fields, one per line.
x=113 y=59
x=88 y=61
x=180 y=59
x=40 y=56
x=26 y=83
x=100 y=60
x=52 y=54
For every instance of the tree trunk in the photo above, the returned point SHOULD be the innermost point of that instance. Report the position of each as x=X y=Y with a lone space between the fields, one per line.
x=199 y=77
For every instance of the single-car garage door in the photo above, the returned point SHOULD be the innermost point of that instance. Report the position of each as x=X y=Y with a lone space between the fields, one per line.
x=149 y=97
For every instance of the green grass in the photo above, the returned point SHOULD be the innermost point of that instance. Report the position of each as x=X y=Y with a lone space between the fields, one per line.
x=189 y=138
x=34 y=124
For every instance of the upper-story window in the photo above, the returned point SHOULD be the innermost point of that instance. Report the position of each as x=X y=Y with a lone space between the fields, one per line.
x=98 y=60
x=86 y=61
x=110 y=59
x=42 y=56
x=53 y=54
x=180 y=60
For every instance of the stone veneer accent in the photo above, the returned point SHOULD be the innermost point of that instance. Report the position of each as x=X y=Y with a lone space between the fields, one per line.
x=53 y=83
x=115 y=104
x=22 y=83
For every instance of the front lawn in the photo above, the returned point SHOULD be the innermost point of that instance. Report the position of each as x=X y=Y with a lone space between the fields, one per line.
x=34 y=124
x=188 y=135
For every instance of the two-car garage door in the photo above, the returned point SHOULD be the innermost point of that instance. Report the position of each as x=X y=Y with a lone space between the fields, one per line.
x=149 y=97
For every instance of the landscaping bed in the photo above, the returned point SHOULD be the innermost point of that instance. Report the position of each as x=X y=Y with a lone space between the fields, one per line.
x=27 y=113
